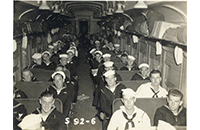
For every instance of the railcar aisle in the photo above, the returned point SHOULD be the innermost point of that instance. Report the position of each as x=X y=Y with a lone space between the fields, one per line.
x=83 y=113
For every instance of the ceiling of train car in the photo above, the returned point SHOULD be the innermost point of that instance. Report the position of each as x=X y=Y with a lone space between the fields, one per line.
x=69 y=9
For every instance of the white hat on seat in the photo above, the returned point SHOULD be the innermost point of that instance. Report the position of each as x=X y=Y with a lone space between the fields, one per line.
x=63 y=56
x=108 y=73
x=59 y=72
x=31 y=121
x=128 y=92
x=143 y=65
x=108 y=63
x=106 y=55
x=36 y=56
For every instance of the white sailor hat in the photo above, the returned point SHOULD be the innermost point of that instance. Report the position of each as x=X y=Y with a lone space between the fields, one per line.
x=108 y=63
x=50 y=46
x=108 y=73
x=46 y=52
x=106 y=55
x=59 y=72
x=143 y=65
x=68 y=51
x=31 y=121
x=93 y=50
x=36 y=56
x=63 y=56
x=97 y=41
x=55 y=44
x=131 y=57
x=128 y=92
x=72 y=43
x=99 y=52
x=116 y=45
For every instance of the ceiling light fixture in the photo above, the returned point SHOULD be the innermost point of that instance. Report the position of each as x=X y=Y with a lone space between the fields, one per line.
x=140 y=5
x=44 y=6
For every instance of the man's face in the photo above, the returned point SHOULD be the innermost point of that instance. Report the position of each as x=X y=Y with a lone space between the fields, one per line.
x=155 y=79
x=110 y=80
x=130 y=62
x=46 y=57
x=144 y=71
x=98 y=56
x=58 y=81
x=124 y=59
x=109 y=68
x=64 y=61
x=38 y=61
x=106 y=59
x=174 y=102
x=59 y=69
x=70 y=54
x=128 y=101
x=46 y=103
x=27 y=76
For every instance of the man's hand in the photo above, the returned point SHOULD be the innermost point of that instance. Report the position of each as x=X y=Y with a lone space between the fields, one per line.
x=102 y=115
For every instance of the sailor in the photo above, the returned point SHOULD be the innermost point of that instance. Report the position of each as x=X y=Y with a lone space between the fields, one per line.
x=19 y=112
x=143 y=73
x=61 y=90
x=129 y=116
x=173 y=112
x=52 y=119
x=108 y=94
x=47 y=63
x=27 y=76
x=37 y=59
x=152 y=89
x=131 y=65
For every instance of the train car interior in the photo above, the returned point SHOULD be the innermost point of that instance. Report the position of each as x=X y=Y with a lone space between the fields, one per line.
x=68 y=36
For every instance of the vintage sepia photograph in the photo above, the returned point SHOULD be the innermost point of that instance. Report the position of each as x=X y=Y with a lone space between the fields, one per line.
x=99 y=65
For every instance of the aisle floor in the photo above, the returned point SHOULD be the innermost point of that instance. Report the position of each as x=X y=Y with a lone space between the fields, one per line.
x=83 y=117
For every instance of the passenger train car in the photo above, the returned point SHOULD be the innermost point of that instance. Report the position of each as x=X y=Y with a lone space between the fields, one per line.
x=63 y=37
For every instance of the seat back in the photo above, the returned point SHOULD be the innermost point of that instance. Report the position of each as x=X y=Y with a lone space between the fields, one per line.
x=149 y=105
x=134 y=84
x=116 y=60
x=126 y=75
x=119 y=65
x=33 y=89
x=32 y=103
x=42 y=74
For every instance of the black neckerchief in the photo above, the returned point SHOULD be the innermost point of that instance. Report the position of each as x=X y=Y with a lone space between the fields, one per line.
x=129 y=120
x=155 y=93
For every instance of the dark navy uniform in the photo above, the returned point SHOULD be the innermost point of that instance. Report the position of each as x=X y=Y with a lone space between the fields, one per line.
x=126 y=68
x=106 y=99
x=66 y=96
x=138 y=76
x=19 y=112
x=163 y=113
x=55 y=120
x=98 y=88
x=51 y=66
